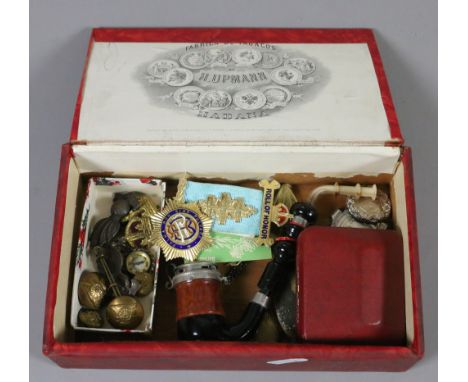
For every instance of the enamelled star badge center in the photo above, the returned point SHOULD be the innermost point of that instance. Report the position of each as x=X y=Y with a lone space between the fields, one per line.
x=182 y=230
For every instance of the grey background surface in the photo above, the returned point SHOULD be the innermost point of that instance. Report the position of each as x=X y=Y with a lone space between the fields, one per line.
x=59 y=31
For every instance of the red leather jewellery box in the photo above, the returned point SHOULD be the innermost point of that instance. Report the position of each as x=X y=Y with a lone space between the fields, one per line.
x=304 y=106
x=352 y=273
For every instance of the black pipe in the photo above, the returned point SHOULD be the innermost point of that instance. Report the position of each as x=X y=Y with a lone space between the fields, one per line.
x=213 y=327
x=284 y=254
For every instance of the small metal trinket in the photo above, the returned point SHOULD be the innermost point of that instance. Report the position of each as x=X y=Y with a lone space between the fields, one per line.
x=107 y=229
x=140 y=228
x=90 y=318
x=146 y=283
x=123 y=282
x=114 y=261
x=138 y=261
x=371 y=211
x=124 y=312
x=182 y=230
x=344 y=219
x=226 y=208
x=91 y=290
x=114 y=258
x=285 y=306
x=271 y=213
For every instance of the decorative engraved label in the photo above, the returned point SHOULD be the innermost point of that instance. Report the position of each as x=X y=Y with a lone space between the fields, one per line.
x=224 y=208
x=233 y=78
x=232 y=81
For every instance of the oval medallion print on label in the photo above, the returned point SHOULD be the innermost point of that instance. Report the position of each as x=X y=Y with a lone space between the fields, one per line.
x=233 y=81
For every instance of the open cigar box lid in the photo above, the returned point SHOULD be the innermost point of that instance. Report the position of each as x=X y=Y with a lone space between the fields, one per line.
x=235 y=86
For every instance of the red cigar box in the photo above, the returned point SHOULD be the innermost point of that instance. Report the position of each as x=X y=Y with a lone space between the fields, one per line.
x=304 y=106
x=351 y=286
